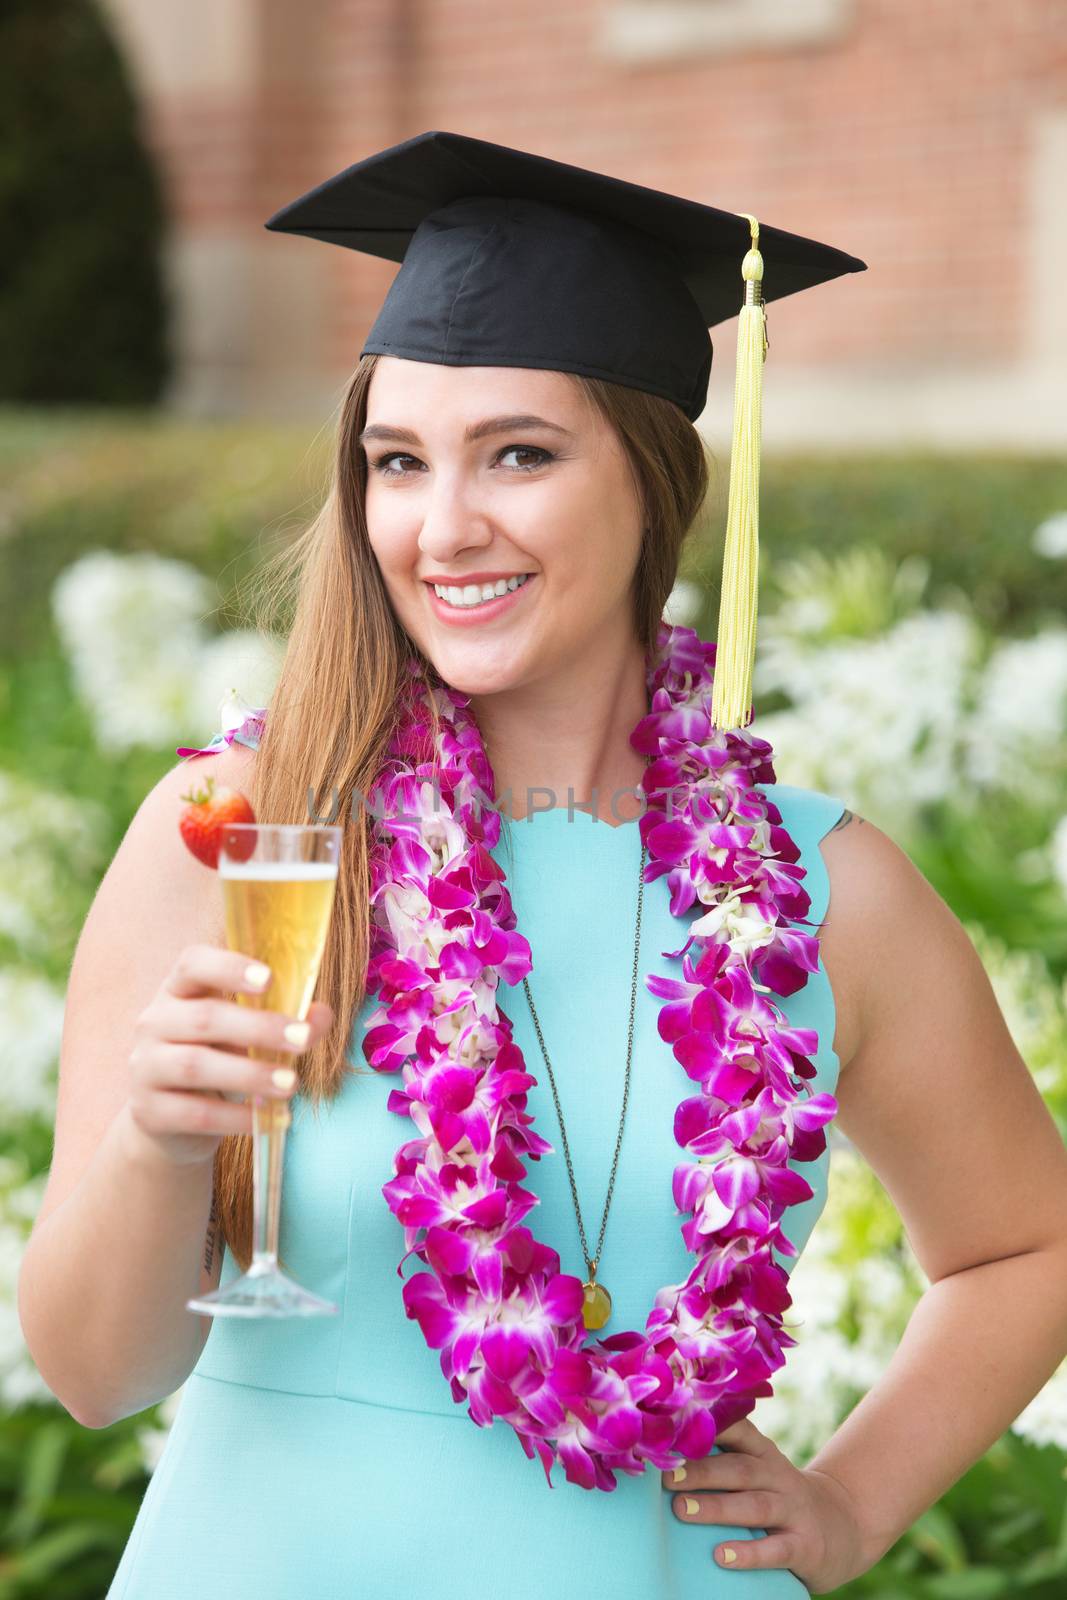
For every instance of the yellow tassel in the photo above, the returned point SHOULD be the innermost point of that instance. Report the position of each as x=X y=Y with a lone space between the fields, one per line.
x=736 y=645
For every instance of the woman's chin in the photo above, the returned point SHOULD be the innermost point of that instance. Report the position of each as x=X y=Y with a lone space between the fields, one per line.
x=474 y=683
x=480 y=670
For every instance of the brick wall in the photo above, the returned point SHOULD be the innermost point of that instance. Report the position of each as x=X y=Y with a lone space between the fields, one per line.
x=919 y=136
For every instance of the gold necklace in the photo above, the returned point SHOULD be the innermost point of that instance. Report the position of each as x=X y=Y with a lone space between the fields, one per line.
x=596 y=1308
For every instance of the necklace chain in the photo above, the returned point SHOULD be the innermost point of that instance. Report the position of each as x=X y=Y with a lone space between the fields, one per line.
x=591 y=1261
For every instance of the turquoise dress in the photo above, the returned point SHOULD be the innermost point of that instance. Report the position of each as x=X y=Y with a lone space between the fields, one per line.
x=326 y=1457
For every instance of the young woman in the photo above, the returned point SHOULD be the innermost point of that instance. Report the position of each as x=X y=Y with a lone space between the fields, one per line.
x=339 y=1456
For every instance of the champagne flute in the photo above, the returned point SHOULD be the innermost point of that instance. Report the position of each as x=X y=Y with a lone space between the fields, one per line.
x=278 y=884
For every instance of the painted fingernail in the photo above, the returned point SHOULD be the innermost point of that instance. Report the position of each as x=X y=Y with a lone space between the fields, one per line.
x=727 y=1554
x=679 y=1474
x=283 y=1077
x=691 y=1506
x=297 y=1033
x=257 y=975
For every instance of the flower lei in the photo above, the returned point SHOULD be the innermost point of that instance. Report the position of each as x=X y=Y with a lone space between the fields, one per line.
x=508 y=1323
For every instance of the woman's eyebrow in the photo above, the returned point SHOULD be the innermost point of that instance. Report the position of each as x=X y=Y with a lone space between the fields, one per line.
x=478 y=430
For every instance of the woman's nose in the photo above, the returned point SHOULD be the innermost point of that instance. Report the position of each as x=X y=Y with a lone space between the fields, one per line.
x=452 y=520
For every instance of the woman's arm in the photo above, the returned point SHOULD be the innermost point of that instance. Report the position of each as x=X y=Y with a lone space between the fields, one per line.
x=119 y=1243
x=937 y=1098
x=105 y=1279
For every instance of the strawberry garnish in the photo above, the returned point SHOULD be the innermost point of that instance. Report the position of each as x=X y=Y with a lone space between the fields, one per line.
x=207 y=811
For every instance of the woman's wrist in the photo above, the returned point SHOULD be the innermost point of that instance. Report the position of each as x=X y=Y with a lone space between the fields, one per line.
x=869 y=1544
x=141 y=1152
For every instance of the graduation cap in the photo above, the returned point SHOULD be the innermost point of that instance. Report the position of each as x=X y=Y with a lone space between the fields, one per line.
x=514 y=260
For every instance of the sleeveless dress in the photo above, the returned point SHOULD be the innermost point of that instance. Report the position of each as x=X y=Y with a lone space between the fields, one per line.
x=325 y=1456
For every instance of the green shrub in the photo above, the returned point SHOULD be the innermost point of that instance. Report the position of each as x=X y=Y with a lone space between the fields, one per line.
x=82 y=302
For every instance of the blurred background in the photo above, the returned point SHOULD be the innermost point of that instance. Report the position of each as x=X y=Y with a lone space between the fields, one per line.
x=169 y=374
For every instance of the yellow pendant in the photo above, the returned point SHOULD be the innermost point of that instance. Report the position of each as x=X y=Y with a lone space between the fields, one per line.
x=596 y=1308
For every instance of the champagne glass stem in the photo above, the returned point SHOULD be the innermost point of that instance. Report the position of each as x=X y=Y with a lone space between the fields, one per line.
x=270 y=1119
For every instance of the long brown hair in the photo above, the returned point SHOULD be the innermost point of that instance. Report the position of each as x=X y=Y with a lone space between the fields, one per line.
x=333 y=708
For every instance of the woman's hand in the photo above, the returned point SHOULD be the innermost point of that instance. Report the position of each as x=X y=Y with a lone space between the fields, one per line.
x=189 y=1053
x=812 y=1526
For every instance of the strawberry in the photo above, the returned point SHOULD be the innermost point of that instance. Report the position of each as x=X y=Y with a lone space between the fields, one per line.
x=207 y=812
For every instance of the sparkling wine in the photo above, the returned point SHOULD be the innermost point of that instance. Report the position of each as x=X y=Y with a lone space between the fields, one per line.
x=279 y=912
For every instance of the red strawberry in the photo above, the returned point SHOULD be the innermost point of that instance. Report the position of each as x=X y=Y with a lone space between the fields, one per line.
x=206 y=813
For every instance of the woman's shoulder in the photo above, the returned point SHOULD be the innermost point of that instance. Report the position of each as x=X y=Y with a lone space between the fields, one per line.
x=877 y=901
x=230 y=767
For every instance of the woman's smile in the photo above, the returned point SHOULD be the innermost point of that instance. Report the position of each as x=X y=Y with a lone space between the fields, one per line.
x=459 y=607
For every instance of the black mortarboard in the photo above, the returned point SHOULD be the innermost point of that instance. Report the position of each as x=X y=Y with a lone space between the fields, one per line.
x=515 y=260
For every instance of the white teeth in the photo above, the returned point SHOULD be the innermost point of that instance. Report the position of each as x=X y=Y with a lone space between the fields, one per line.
x=473 y=594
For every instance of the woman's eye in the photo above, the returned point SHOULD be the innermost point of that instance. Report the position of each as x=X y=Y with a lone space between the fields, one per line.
x=381 y=465
x=541 y=458
x=529 y=450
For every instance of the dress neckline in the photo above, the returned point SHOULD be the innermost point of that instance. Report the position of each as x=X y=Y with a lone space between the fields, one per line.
x=574 y=816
